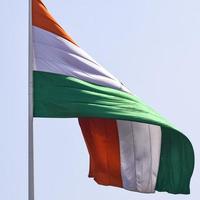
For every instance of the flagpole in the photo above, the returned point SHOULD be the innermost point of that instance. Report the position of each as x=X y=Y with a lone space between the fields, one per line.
x=30 y=110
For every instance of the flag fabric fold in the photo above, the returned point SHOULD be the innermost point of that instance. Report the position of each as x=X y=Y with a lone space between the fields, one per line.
x=130 y=145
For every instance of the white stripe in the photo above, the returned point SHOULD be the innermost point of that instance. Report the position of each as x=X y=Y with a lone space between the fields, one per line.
x=156 y=135
x=55 y=54
x=140 y=154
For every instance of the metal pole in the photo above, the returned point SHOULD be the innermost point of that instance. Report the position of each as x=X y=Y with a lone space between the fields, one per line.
x=30 y=110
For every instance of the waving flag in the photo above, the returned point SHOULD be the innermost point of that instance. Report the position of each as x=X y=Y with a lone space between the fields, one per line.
x=129 y=144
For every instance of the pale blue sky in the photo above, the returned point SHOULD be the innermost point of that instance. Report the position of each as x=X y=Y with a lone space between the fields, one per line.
x=151 y=46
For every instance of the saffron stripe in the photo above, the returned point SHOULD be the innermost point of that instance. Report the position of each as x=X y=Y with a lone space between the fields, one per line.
x=43 y=19
x=102 y=141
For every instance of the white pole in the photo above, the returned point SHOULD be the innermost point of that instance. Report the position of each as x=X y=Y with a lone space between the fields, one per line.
x=30 y=111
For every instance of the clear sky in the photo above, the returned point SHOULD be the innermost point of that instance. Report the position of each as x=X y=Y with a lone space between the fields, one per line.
x=151 y=46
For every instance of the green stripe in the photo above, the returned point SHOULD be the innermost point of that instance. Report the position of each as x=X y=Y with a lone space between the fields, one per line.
x=60 y=96
x=176 y=163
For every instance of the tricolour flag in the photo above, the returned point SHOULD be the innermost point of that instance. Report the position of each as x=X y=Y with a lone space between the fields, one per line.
x=130 y=145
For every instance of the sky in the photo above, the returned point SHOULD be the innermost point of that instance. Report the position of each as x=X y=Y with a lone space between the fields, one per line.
x=151 y=46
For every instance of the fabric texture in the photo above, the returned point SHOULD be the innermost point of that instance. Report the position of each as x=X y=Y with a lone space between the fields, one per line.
x=60 y=96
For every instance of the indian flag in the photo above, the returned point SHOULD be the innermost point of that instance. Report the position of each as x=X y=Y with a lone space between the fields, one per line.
x=130 y=145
